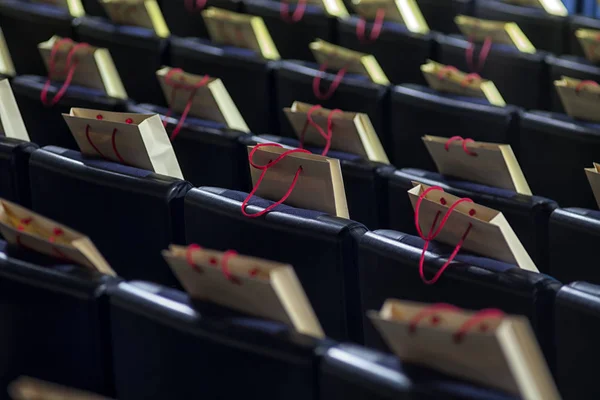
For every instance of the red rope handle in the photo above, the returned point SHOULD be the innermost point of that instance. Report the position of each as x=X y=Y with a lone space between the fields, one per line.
x=113 y=140
x=470 y=78
x=327 y=136
x=177 y=86
x=428 y=311
x=445 y=71
x=297 y=15
x=264 y=169
x=56 y=231
x=332 y=88
x=464 y=144
x=475 y=320
x=375 y=32
x=70 y=67
x=188 y=257
x=225 y=268
x=194 y=5
x=435 y=232
x=483 y=55
x=583 y=84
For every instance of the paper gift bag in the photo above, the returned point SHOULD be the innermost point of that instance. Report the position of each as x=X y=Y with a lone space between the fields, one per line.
x=11 y=121
x=88 y=66
x=581 y=99
x=487 y=163
x=445 y=78
x=251 y=285
x=142 y=13
x=7 y=67
x=203 y=97
x=138 y=140
x=552 y=7
x=589 y=39
x=487 y=347
x=22 y=227
x=499 y=32
x=348 y=132
x=405 y=12
x=315 y=181
x=240 y=30
x=75 y=7
x=354 y=62
x=26 y=388
x=593 y=175
x=489 y=234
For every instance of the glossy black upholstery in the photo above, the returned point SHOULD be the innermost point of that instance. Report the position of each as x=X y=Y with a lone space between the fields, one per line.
x=321 y=248
x=45 y=124
x=14 y=170
x=130 y=214
x=527 y=215
x=440 y=14
x=412 y=107
x=156 y=332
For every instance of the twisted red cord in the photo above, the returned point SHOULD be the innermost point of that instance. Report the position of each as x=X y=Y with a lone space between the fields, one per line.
x=427 y=311
x=476 y=319
x=264 y=169
x=464 y=144
x=113 y=140
x=177 y=86
x=225 y=268
x=56 y=231
x=375 y=31
x=284 y=11
x=188 y=257
x=483 y=54
x=327 y=136
x=332 y=88
x=195 y=5
x=445 y=71
x=70 y=65
x=583 y=84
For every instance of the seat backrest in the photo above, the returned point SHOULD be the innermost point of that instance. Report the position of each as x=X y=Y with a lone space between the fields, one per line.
x=18 y=18
x=209 y=153
x=185 y=20
x=137 y=53
x=563 y=147
x=46 y=125
x=389 y=268
x=527 y=215
x=412 y=107
x=294 y=82
x=321 y=248
x=363 y=183
x=14 y=170
x=440 y=14
x=352 y=372
x=521 y=78
x=130 y=214
x=394 y=39
x=572 y=66
x=545 y=31
x=54 y=316
x=574 y=234
x=246 y=76
x=577 y=325
x=292 y=39
x=156 y=332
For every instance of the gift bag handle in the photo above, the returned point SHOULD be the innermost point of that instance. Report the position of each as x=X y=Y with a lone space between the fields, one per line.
x=327 y=136
x=375 y=31
x=297 y=15
x=195 y=5
x=213 y=261
x=483 y=54
x=316 y=84
x=113 y=140
x=56 y=232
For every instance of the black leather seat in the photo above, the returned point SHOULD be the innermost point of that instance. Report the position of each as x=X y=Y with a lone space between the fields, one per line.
x=389 y=268
x=25 y=25
x=189 y=23
x=294 y=82
x=46 y=125
x=292 y=39
x=417 y=111
x=363 y=181
x=573 y=67
x=440 y=14
x=577 y=329
x=156 y=332
x=247 y=77
x=563 y=147
x=131 y=214
x=573 y=236
x=545 y=31
x=527 y=215
x=393 y=40
x=209 y=153
x=321 y=248
x=352 y=372
x=14 y=170
x=94 y=8
x=521 y=78
x=137 y=53
x=54 y=316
